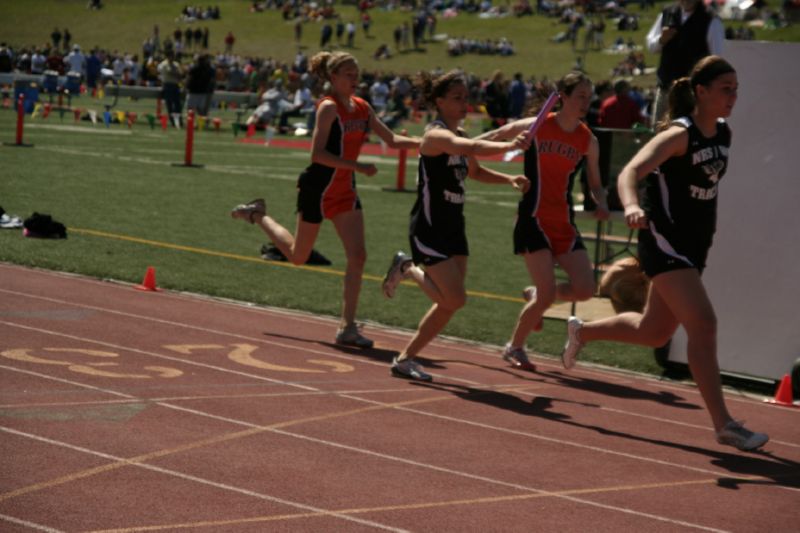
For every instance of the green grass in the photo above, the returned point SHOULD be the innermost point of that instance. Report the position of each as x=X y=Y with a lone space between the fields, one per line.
x=123 y=186
x=124 y=25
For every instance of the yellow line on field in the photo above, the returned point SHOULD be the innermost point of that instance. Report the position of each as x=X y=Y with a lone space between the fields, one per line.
x=237 y=257
x=192 y=249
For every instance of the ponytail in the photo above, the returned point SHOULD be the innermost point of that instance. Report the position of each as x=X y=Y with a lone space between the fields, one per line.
x=681 y=102
x=682 y=93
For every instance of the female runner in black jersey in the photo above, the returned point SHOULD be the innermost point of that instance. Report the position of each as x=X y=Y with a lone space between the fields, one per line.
x=681 y=166
x=437 y=232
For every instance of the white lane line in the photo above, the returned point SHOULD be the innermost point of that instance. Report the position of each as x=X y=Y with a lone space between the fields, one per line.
x=380 y=455
x=203 y=481
x=32 y=525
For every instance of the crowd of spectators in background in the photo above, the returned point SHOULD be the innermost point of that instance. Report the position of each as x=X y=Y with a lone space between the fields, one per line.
x=192 y=13
x=461 y=46
x=181 y=64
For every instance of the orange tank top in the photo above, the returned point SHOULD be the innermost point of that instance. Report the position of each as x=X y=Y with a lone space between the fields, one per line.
x=550 y=164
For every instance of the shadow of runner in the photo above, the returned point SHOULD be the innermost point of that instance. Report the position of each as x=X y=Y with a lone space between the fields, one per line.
x=770 y=469
x=377 y=354
x=621 y=391
x=501 y=367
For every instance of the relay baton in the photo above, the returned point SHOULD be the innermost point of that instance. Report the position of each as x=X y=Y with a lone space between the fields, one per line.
x=548 y=105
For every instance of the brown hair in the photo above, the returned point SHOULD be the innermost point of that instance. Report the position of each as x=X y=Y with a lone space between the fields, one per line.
x=682 y=92
x=324 y=64
x=568 y=83
x=432 y=88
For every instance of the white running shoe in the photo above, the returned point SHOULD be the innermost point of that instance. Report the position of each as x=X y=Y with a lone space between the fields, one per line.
x=250 y=209
x=573 y=345
x=735 y=434
x=409 y=369
x=395 y=274
x=517 y=358
x=351 y=336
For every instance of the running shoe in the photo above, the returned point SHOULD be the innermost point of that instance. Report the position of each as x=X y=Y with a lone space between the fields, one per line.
x=573 y=345
x=395 y=274
x=409 y=369
x=351 y=336
x=517 y=358
x=257 y=207
x=735 y=434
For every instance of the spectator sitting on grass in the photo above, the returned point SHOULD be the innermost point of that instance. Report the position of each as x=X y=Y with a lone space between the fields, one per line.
x=382 y=52
x=273 y=102
x=303 y=104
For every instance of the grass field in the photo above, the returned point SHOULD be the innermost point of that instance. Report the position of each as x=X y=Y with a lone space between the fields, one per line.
x=124 y=25
x=127 y=207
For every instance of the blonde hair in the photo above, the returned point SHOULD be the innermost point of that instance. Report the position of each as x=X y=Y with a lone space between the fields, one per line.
x=324 y=64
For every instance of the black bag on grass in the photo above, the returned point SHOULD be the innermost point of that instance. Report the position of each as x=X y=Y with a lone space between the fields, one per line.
x=44 y=227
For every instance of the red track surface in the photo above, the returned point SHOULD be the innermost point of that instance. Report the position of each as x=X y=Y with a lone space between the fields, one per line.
x=132 y=410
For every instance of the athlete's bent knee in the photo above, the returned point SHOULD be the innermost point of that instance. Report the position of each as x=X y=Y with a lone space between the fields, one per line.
x=454 y=302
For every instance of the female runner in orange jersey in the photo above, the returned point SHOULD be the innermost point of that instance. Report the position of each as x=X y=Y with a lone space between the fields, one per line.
x=545 y=233
x=327 y=189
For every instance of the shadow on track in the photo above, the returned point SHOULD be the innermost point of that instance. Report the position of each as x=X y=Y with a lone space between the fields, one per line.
x=760 y=467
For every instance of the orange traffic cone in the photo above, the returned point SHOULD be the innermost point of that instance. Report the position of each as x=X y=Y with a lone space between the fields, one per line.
x=149 y=282
x=784 y=394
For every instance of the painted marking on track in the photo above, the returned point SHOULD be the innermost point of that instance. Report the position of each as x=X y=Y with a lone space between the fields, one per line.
x=24 y=355
x=606 y=374
x=242 y=354
x=294 y=347
x=189 y=349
